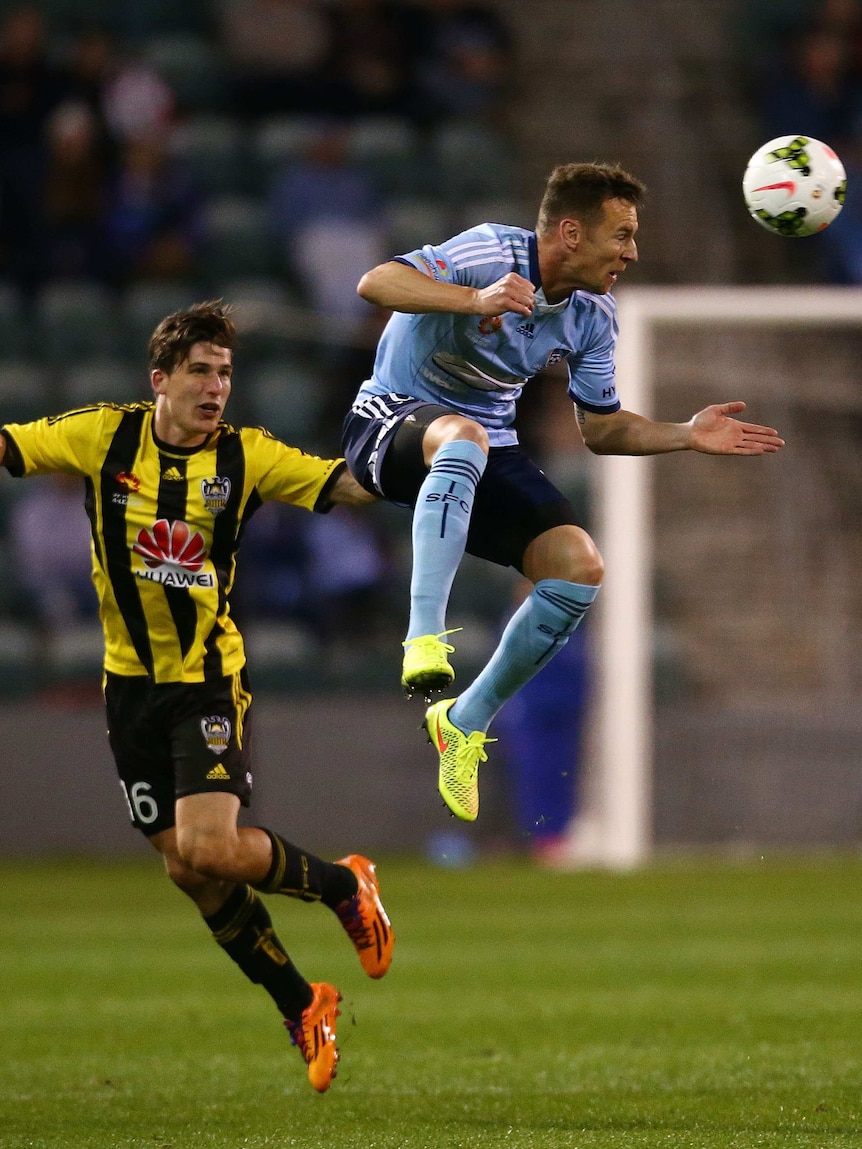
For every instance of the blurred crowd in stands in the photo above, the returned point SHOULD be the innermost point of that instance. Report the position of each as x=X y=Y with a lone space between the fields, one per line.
x=157 y=152
x=154 y=153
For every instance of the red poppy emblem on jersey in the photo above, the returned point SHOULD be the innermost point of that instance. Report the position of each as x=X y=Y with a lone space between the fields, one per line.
x=171 y=543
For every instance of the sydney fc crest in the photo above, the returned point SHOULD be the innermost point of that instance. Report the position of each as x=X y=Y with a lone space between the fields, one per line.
x=216 y=492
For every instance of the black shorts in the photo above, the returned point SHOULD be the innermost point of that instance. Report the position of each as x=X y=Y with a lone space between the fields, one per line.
x=177 y=739
x=515 y=501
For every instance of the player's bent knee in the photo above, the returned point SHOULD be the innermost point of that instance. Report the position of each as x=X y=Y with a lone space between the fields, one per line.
x=206 y=854
x=591 y=566
x=454 y=428
x=564 y=552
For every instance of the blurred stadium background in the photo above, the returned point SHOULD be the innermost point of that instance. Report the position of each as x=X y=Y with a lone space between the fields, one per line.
x=165 y=159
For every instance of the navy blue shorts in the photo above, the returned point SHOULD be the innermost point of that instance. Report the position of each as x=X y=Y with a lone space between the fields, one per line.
x=515 y=500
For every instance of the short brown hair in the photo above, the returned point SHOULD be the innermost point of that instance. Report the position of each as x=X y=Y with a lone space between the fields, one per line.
x=580 y=190
x=175 y=336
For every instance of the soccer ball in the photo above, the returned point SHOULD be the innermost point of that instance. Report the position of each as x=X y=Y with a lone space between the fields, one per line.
x=794 y=185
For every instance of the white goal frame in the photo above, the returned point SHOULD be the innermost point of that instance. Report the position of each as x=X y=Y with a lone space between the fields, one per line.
x=623 y=714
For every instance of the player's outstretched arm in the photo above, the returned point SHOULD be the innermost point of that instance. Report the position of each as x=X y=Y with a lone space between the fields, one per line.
x=348 y=492
x=713 y=431
x=397 y=287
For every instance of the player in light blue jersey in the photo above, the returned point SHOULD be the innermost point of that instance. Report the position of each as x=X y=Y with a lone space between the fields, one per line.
x=474 y=319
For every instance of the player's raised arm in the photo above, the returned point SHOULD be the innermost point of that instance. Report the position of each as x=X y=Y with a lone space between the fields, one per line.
x=399 y=287
x=712 y=431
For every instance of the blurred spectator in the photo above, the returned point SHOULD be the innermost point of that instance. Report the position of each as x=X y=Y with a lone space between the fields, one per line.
x=329 y=217
x=467 y=61
x=541 y=732
x=153 y=217
x=275 y=50
x=137 y=102
x=92 y=64
x=50 y=537
x=370 y=62
x=31 y=87
x=816 y=91
x=347 y=581
x=274 y=565
x=75 y=195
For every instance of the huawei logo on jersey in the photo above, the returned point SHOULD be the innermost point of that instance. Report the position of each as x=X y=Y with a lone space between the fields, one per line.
x=173 y=555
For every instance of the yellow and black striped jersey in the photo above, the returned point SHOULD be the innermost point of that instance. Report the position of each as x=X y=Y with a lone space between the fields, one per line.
x=166 y=523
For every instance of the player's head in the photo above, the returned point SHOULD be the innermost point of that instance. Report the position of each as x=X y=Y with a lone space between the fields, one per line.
x=175 y=336
x=580 y=191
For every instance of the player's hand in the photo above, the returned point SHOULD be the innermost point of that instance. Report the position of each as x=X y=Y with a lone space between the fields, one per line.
x=511 y=293
x=715 y=432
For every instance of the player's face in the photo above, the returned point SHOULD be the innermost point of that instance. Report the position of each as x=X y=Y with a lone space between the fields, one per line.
x=606 y=247
x=190 y=399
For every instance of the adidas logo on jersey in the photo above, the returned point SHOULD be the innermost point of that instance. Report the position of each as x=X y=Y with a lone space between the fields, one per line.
x=218 y=774
x=172 y=475
x=528 y=329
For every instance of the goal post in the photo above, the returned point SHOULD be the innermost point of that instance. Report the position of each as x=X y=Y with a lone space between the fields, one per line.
x=623 y=718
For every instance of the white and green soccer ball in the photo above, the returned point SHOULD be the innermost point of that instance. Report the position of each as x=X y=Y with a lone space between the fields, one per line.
x=794 y=185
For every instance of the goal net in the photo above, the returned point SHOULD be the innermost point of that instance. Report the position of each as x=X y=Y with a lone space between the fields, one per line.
x=731 y=585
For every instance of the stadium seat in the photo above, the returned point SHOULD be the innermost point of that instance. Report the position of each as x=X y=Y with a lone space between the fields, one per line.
x=25 y=391
x=210 y=148
x=191 y=67
x=414 y=222
x=278 y=140
x=269 y=318
x=470 y=162
x=387 y=149
x=75 y=319
x=104 y=381
x=286 y=397
x=237 y=242
x=13 y=321
x=145 y=304
x=474 y=211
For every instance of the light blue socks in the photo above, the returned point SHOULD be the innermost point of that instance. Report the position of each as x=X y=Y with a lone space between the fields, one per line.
x=440 y=524
x=536 y=631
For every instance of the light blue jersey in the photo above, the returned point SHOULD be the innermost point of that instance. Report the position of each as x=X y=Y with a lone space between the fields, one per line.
x=478 y=366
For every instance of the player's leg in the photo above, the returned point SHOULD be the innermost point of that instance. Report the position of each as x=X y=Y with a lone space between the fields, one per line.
x=566 y=569
x=210 y=843
x=455 y=450
x=241 y=925
x=522 y=520
x=421 y=455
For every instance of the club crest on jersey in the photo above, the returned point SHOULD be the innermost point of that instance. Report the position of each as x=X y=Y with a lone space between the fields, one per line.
x=173 y=555
x=556 y=356
x=216 y=492
x=216 y=731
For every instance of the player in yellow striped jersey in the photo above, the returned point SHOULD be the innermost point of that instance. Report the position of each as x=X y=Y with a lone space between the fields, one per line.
x=169 y=486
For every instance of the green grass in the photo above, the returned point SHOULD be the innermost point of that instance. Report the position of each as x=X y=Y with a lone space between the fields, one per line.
x=694 y=1004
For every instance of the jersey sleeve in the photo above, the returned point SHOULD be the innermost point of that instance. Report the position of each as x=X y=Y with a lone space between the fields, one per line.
x=287 y=474
x=68 y=442
x=474 y=258
x=592 y=374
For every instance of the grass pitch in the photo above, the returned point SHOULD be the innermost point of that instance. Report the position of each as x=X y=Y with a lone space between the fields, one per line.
x=693 y=1004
